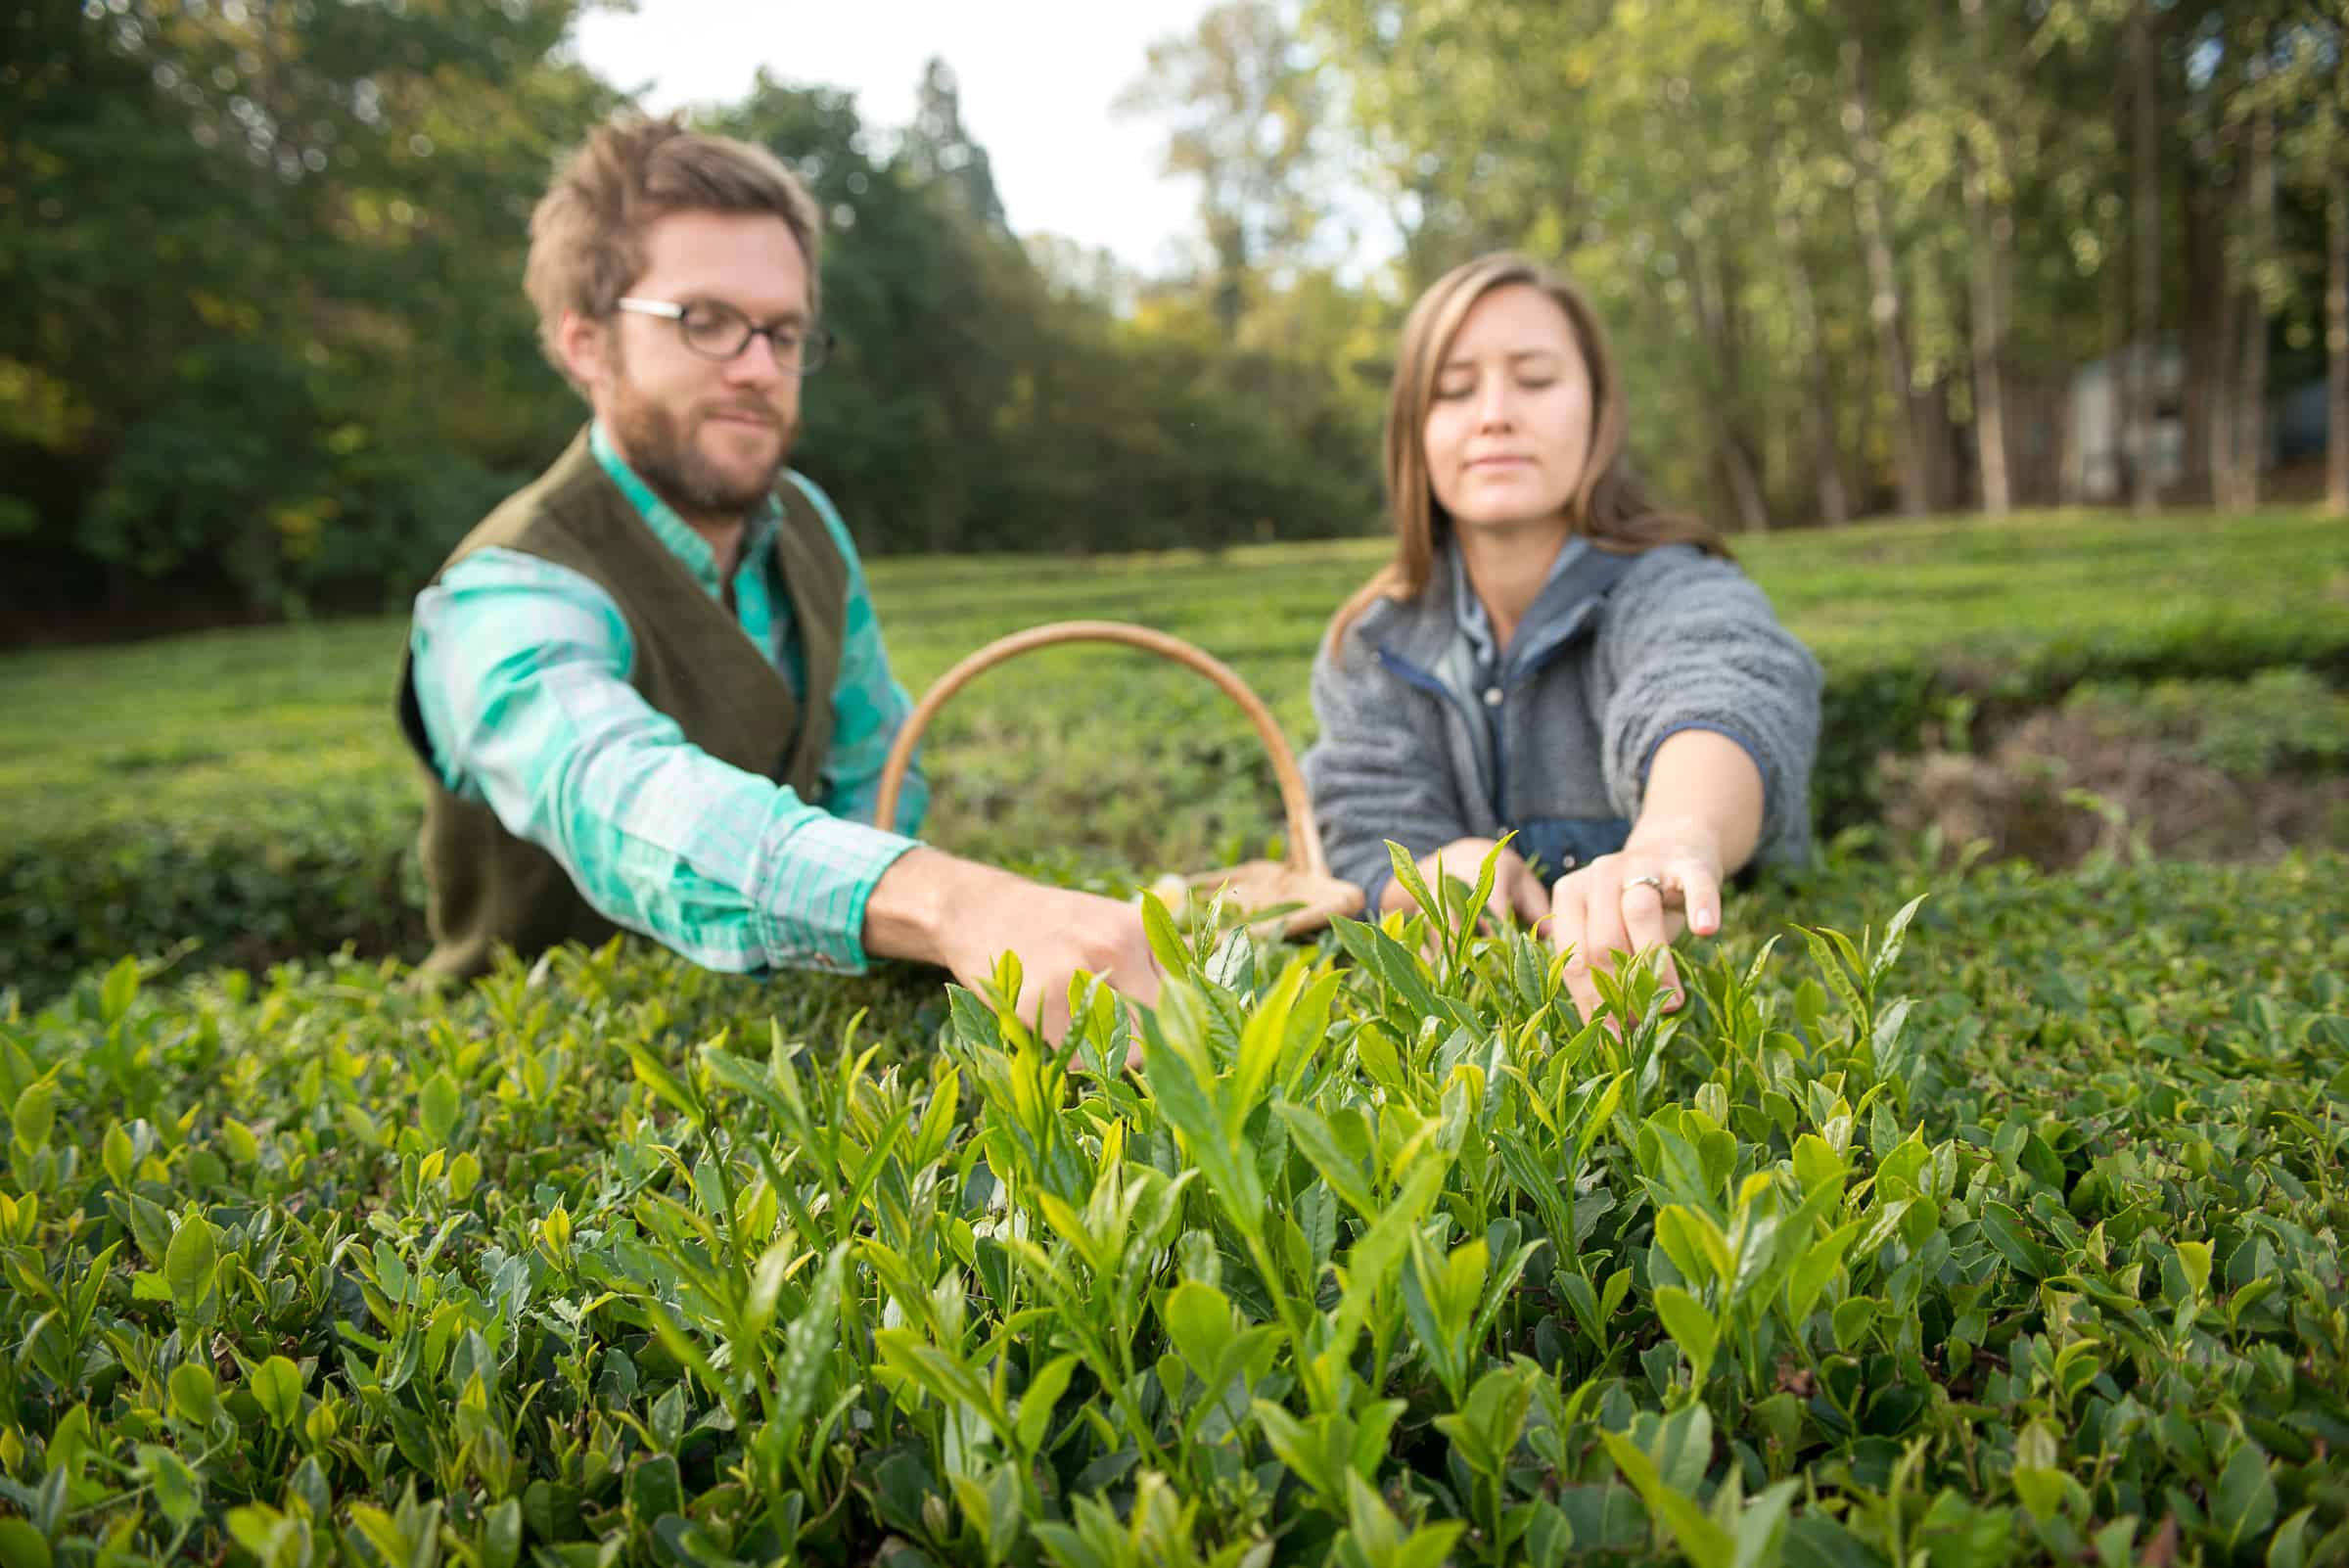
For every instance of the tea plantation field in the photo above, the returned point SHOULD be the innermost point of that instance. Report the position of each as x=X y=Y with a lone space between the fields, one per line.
x=2003 y=1226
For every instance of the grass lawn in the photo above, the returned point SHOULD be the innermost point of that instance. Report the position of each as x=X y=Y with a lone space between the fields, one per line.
x=1104 y=758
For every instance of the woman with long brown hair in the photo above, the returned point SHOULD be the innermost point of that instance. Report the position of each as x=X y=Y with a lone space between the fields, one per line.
x=1549 y=655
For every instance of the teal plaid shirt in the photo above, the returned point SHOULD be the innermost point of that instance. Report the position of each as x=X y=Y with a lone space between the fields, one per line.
x=521 y=675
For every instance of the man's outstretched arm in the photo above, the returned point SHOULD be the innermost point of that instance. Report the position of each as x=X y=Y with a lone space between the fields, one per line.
x=521 y=673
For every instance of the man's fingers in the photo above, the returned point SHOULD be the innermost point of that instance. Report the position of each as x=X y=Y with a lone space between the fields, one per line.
x=1136 y=977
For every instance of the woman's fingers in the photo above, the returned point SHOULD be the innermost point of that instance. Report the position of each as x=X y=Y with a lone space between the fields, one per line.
x=1623 y=904
x=1587 y=915
x=1646 y=924
x=1700 y=894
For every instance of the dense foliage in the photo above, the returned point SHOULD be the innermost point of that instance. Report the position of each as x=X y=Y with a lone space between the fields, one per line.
x=264 y=347
x=305 y=225
x=2010 y=1232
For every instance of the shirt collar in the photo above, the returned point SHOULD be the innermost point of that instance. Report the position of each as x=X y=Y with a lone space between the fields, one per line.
x=673 y=531
x=1469 y=611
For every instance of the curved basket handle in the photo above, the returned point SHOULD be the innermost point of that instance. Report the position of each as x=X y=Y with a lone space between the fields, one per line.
x=1305 y=839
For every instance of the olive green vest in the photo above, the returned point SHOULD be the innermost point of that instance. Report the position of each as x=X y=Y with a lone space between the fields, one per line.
x=692 y=661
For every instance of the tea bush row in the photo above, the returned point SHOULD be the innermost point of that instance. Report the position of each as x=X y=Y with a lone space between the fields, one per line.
x=2007 y=1229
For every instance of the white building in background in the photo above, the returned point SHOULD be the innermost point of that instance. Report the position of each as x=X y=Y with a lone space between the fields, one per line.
x=2097 y=459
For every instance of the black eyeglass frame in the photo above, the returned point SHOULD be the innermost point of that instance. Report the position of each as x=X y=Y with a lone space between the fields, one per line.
x=804 y=357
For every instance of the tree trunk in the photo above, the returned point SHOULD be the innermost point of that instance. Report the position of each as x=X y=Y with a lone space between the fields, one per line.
x=2250 y=405
x=2145 y=199
x=2336 y=342
x=1711 y=288
x=1884 y=305
x=1994 y=226
x=1818 y=406
x=2202 y=254
x=2226 y=491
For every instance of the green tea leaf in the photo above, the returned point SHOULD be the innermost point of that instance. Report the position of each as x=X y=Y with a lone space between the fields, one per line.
x=1198 y=1321
x=238 y=1140
x=35 y=1114
x=501 y=1535
x=22 y=1546
x=117 y=1155
x=190 y=1262
x=1165 y=938
x=2194 y=1257
x=2011 y=1233
x=2244 y=1504
x=178 y=1490
x=120 y=990
x=1888 y=948
x=438 y=1104
x=194 y=1394
x=654 y=1074
x=1039 y=1401
x=1691 y=1327
x=2289 y=1548
x=1705 y=1543
x=1320 y=1144
x=1851 y=1321
x=277 y=1385
x=809 y=1342
x=1696 y=1244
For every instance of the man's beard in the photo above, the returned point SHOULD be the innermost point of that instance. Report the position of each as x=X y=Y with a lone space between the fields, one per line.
x=659 y=445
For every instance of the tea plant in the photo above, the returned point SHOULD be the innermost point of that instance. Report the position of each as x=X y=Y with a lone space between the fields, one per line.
x=2000 y=1226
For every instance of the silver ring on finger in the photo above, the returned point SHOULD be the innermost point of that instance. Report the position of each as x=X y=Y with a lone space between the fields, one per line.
x=1644 y=880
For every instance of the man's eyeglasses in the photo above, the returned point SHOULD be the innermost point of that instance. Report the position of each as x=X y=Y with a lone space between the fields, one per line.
x=718 y=331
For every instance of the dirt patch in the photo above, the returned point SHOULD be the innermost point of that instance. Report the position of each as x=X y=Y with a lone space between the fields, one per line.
x=2059 y=787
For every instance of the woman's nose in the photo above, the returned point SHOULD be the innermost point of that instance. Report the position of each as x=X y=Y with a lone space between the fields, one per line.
x=1495 y=403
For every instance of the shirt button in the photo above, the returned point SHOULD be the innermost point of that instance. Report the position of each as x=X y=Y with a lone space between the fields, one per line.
x=1492 y=695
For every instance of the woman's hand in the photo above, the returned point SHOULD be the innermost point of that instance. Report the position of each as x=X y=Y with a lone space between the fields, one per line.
x=1514 y=885
x=1664 y=879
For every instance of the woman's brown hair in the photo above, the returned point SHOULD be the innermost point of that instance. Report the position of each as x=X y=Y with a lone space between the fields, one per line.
x=1609 y=507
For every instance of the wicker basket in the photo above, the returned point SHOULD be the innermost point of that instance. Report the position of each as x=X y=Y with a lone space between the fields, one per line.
x=1300 y=891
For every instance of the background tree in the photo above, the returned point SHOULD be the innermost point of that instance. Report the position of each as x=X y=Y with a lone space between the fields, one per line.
x=1247 y=109
x=265 y=349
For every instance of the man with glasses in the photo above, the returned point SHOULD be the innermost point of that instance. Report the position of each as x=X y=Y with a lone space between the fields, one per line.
x=649 y=691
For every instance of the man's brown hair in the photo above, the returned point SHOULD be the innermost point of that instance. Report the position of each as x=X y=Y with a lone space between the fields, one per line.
x=588 y=232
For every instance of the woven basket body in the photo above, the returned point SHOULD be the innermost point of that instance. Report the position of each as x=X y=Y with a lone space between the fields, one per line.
x=1299 y=893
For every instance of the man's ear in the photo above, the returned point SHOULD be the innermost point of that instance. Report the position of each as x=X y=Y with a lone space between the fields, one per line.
x=583 y=348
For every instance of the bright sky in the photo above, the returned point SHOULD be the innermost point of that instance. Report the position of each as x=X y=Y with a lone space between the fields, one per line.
x=1036 y=77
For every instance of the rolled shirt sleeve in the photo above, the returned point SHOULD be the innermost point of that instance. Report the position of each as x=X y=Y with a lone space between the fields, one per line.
x=522 y=678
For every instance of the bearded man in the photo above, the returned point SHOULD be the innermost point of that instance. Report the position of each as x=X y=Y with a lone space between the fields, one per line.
x=649 y=690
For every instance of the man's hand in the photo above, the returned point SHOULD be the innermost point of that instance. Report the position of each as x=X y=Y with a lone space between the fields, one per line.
x=1514 y=885
x=963 y=917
